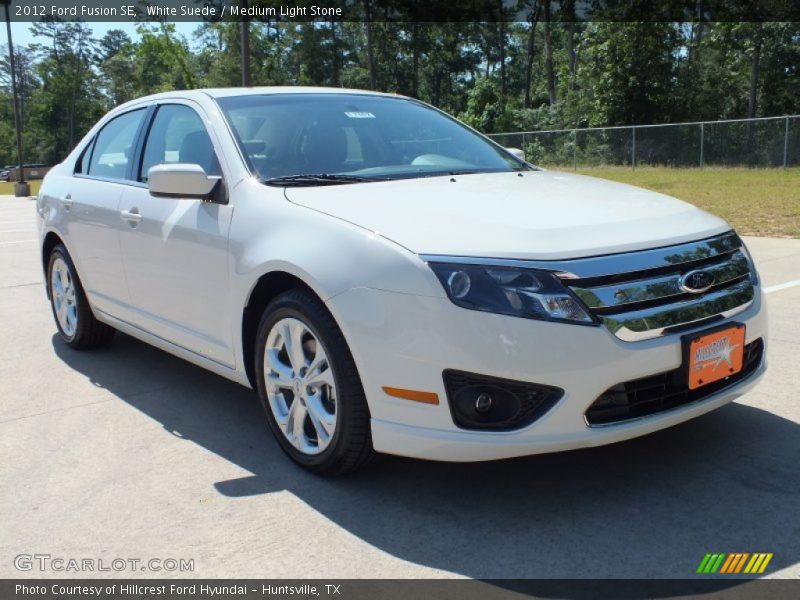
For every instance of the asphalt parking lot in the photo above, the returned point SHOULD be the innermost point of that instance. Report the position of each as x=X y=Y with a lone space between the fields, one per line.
x=129 y=452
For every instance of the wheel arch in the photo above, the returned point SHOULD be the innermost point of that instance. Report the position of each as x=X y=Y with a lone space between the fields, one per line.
x=266 y=288
x=50 y=241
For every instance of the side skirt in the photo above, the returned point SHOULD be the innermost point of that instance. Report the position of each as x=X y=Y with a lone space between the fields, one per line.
x=179 y=351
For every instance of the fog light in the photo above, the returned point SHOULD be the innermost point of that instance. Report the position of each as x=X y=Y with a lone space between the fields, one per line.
x=480 y=402
x=483 y=403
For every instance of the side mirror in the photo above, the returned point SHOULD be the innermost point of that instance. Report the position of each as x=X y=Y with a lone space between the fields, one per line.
x=520 y=154
x=181 y=180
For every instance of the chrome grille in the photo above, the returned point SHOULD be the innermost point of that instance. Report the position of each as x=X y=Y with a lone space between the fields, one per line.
x=655 y=288
x=642 y=295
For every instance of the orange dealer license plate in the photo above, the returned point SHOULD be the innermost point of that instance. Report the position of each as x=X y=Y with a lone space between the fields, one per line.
x=716 y=355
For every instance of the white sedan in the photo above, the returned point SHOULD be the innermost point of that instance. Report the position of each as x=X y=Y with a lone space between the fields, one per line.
x=390 y=280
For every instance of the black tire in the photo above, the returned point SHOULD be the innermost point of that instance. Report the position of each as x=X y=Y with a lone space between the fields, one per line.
x=350 y=447
x=89 y=332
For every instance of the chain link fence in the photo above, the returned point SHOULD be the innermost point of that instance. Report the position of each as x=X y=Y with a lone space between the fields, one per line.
x=760 y=142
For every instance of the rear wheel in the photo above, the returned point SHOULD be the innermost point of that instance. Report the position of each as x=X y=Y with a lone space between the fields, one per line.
x=76 y=324
x=309 y=386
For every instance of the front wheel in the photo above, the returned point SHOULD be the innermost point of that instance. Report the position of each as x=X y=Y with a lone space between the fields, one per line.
x=309 y=386
x=76 y=324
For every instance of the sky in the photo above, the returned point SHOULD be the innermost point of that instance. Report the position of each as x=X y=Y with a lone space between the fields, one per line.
x=23 y=36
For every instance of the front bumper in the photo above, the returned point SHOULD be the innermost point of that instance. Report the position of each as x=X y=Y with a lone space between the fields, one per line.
x=407 y=341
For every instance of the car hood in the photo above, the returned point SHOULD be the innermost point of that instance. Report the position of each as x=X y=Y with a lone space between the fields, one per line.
x=543 y=215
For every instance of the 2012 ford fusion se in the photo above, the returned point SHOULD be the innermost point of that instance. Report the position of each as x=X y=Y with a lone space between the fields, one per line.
x=390 y=280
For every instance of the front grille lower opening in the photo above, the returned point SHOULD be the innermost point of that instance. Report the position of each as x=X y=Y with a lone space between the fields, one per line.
x=662 y=392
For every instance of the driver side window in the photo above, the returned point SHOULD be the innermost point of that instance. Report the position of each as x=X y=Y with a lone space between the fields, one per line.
x=178 y=135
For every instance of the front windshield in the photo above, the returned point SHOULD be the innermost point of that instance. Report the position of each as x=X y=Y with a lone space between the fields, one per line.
x=364 y=137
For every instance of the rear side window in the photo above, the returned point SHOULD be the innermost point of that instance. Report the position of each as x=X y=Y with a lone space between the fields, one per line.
x=178 y=135
x=115 y=145
x=82 y=166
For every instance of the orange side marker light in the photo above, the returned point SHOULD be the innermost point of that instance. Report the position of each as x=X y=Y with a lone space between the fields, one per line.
x=416 y=396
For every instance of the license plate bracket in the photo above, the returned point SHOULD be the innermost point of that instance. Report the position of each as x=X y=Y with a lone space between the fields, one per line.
x=712 y=355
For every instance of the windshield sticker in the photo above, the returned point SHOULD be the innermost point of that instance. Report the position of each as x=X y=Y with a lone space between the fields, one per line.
x=360 y=115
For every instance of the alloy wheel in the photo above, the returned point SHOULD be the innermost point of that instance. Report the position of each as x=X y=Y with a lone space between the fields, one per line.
x=62 y=290
x=300 y=386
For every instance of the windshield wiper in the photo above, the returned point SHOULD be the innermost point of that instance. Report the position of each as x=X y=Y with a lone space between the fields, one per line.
x=316 y=179
x=485 y=171
x=464 y=172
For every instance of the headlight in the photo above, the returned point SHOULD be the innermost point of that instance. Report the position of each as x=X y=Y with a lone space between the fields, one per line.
x=510 y=291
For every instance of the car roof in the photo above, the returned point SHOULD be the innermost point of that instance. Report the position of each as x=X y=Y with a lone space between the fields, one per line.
x=253 y=91
x=260 y=91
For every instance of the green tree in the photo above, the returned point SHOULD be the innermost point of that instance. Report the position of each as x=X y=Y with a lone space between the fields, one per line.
x=486 y=108
x=162 y=60
x=27 y=82
x=627 y=72
x=547 y=72
x=68 y=102
x=116 y=61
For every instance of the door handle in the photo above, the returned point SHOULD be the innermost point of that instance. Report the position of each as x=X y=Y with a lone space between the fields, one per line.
x=132 y=216
x=66 y=201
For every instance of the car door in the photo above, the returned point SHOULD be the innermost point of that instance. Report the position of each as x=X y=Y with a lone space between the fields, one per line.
x=175 y=250
x=90 y=204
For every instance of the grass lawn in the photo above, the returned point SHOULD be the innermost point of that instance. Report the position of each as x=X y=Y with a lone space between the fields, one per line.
x=7 y=187
x=762 y=202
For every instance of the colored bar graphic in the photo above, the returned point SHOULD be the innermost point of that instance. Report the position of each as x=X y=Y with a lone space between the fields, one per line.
x=703 y=563
x=728 y=564
x=712 y=559
x=741 y=562
x=767 y=558
x=715 y=567
x=734 y=562
x=759 y=562
x=757 y=565
x=751 y=564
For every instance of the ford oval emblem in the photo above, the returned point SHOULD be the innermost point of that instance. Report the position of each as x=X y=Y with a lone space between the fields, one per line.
x=696 y=282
